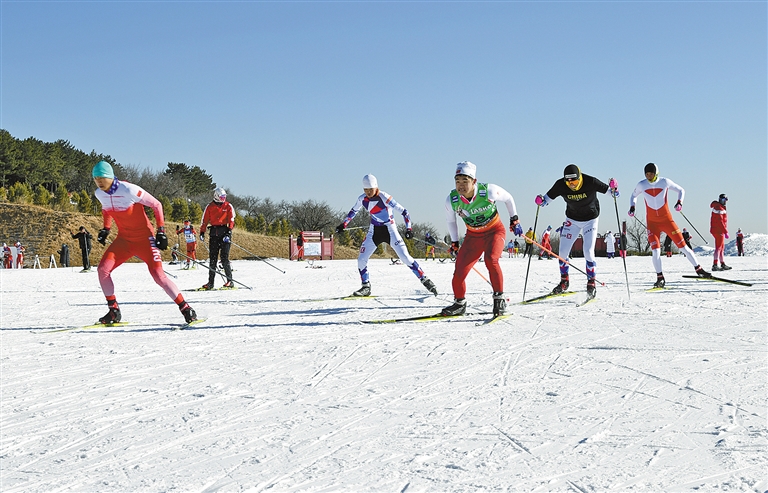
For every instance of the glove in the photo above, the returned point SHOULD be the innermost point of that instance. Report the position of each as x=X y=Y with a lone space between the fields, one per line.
x=340 y=228
x=679 y=206
x=726 y=236
x=454 y=248
x=631 y=212
x=614 y=186
x=102 y=238
x=178 y=231
x=541 y=201
x=202 y=235
x=408 y=234
x=227 y=236
x=514 y=226
x=161 y=241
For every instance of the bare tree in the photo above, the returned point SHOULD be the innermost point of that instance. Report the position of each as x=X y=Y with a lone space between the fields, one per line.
x=637 y=236
x=312 y=216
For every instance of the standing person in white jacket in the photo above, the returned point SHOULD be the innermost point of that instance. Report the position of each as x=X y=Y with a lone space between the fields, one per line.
x=610 y=245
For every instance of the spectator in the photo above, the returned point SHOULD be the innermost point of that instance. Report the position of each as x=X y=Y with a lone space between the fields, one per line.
x=84 y=238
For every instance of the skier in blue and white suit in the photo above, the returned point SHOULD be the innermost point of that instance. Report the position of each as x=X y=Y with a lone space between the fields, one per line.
x=383 y=229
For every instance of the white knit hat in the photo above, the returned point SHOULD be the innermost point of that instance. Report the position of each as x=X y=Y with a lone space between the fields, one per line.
x=466 y=168
x=369 y=181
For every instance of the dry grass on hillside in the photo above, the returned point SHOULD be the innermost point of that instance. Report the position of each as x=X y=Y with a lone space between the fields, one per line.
x=43 y=231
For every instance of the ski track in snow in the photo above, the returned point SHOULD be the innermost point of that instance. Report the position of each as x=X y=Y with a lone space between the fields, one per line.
x=665 y=391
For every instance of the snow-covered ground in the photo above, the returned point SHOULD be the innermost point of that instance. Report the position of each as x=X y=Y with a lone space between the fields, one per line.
x=665 y=391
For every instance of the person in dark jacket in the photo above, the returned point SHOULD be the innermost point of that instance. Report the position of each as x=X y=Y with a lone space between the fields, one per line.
x=84 y=238
x=64 y=255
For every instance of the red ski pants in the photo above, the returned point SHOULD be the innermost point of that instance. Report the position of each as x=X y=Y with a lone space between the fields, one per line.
x=491 y=243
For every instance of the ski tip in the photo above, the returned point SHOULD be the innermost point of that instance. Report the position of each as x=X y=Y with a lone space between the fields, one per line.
x=189 y=324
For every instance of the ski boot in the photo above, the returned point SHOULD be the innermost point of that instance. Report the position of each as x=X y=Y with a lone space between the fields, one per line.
x=459 y=307
x=715 y=268
x=113 y=315
x=725 y=267
x=206 y=287
x=189 y=314
x=591 y=291
x=499 y=304
x=659 y=281
x=701 y=272
x=429 y=285
x=365 y=290
x=228 y=285
x=563 y=286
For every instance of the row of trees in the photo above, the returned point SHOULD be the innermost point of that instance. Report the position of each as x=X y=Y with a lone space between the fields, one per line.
x=56 y=175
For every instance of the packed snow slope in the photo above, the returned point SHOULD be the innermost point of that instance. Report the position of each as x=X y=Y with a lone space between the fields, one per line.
x=282 y=389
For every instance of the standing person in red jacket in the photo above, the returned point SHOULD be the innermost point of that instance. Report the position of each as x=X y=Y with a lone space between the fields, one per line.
x=124 y=203
x=718 y=226
x=220 y=214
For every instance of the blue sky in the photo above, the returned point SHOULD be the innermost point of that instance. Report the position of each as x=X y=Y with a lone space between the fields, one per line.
x=298 y=100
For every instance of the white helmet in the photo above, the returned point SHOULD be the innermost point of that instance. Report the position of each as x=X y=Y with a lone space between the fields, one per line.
x=219 y=195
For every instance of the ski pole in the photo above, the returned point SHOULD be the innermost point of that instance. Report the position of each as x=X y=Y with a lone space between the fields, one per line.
x=618 y=225
x=481 y=275
x=213 y=270
x=694 y=227
x=257 y=257
x=565 y=261
x=535 y=222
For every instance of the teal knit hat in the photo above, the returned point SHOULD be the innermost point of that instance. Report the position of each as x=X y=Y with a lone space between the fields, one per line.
x=103 y=170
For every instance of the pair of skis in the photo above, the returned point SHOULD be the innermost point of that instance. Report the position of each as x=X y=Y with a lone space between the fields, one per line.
x=438 y=317
x=180 y=326
x=590 y=298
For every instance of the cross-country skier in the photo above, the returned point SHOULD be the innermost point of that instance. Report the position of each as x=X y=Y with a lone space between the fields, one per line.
x=582 y=212
x=476 y=204
x=654 y=190
x=381 y=206
x=718 y=226
x=740 y=242
x=430 y=241
x=124 y=203
x=546 y=243
x=220 y=214
x=190 y=237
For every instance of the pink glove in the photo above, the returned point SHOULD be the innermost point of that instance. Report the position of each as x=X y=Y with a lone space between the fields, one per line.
x=539 y=200
x=679 y=206
x=613 y=184
x=726 y=236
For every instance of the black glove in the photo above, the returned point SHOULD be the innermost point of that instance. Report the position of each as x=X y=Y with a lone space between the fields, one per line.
x=340 y=228
x=178 y=230
x=631 y=211
x=102 y=238
x=454 y=248
x=202 y=235
x=408 y=234
x=161 y=241
x=227 y=236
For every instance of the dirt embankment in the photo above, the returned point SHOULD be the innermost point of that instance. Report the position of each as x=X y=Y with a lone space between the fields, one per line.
x=43 y=231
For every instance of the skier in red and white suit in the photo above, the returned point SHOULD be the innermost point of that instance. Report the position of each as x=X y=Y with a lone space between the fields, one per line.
x=718 y=226
x=124 y=203
x=654 y=190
